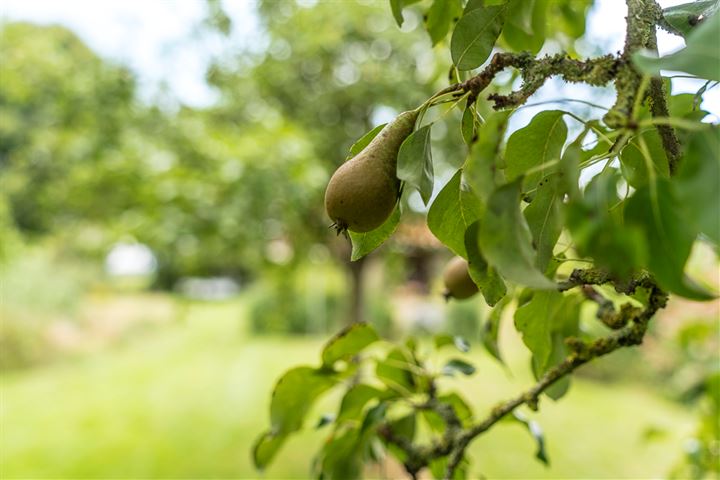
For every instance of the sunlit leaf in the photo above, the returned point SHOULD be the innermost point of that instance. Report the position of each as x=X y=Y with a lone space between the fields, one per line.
x=440 y=17
x=457 y=365
x=534 y=321
x=414 y=164
x=686 y=17
x=475 y=35
x=355 y=399
x=698 y=182
x=364 y=141
x=395 y=371
x=657 y=211
x=524 y=27
x=348 y=342
x=598 y=231
x=634 y=163
x=487 y=279
x=294 y=394
x=482 y=170
x=701 y=56
x=364 y=243
x=491 y=328
x=506 y=241
x=397 y=6
x=452 y=212
x=538 y=143
x=544 y=216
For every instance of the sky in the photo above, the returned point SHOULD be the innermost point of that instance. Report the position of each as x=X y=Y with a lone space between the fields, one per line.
x=157 y=39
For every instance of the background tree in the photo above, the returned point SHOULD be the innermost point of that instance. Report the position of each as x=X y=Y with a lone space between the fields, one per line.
x=530 y=230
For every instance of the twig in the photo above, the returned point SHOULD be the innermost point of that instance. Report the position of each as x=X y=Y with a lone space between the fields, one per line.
x=456 y=439
x=535 y=71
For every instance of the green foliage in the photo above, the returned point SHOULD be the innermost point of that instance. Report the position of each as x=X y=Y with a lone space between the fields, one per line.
x=632 y=206
x=685 y=17
x=506 y=240
x=535 y=147
x=700 y=57
x=455 y=208
x=364 y=243
x=475 y=34
x=375 y=397
x=414 y=163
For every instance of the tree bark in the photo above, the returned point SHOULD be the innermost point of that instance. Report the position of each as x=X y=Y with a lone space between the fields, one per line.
x=357 y=291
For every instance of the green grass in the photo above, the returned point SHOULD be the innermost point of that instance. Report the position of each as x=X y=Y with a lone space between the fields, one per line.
x=188 y=400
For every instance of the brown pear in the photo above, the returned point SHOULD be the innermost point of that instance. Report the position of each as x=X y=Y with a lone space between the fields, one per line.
x=458 y=283
x=363 y=192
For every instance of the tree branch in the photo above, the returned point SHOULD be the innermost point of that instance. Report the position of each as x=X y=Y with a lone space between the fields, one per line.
x=659 y=108
x=641 y=18
x=535 y=71
x=634 y=323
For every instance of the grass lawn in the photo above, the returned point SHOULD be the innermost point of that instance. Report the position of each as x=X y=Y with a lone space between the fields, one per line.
x=187 y=400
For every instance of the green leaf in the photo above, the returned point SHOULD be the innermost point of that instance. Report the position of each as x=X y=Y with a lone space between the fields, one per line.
x=505 y=238
x=355 y=399
x=457 y=365
x=569 y=169
x=544 y=216
x=475 y=35
x=293 y=396
x=534 y=321
x=536 y=144
x=444 y=339
x=364 y=141
x=438 y=466
x=668 y=235
x=686 y=17
x=397 y=7
x=414 y=164
x=595 y=222
x=461 y=407
x=461 y=344
x=325 y=420
x=482 y=169
x=491 y=329
x=534 y=428
x=634 y=164
x=701 y=56
x=452 y=212
x=347 y=343
x=467 y=125
x=395 y=371
x=524 y=28
x=265 y=448
x=440 y=17
x=364 y=243
x=341 y=456
x=489 y=282
x=698 y=182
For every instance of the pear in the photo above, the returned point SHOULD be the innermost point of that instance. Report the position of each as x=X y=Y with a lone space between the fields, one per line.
x=458 y=283
x=363 y=192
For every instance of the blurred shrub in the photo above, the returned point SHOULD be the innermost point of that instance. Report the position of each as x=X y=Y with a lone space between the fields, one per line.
x=463 y=318
x=379 y=314
x=306 y=299
x=37 y=289
x=22 y=342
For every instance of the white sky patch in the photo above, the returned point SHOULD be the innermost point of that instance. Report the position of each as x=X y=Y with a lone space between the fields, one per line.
x=158 y=41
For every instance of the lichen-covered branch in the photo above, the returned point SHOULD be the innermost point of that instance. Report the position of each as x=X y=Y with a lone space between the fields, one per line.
x=659 y=108
x=535 y=71
x=631 y=323
x=642 y=17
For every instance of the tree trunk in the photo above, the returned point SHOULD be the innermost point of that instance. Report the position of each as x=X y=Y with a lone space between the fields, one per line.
x=357 y=291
